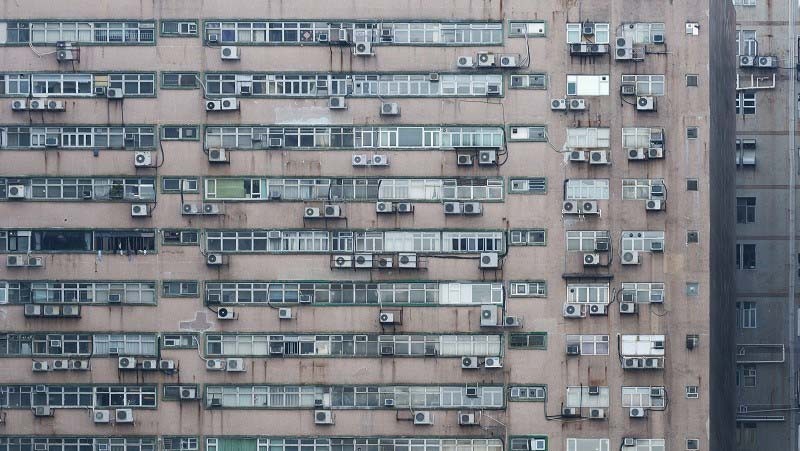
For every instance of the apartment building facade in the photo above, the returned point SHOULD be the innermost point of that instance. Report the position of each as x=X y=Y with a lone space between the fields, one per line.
x=765 y=244
x=476 y=225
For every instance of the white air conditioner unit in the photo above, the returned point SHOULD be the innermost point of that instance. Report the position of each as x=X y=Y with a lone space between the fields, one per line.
x=69 y=311
x=486 y=59
x=191 y=209
x=187 y=393
x=464 y=159
x=769 y=62
x=570 y=412
x=332 y=211
x=538 y=444
x=38 y=367
x=598 y=157
x=150 y=365
x=404 y=207
x=624 y=49
x=589 y=207
x=55 y=105
x=387 y=317
x=229 y=52
x=572 y=311
x=390 y=109
x=337 y=103
x=101 y=416
x=218 y=155
x=598 y=309
x=343 y=261
x=213 y=105
x=126 y=363
x=509 y=60
x=19 y=105
x=470 y=363
x=360 y=160
x=487 y=157
x=384 y=207
x=30 y=309
x=452 y=208
x=284 y=313
x=645 y=103
x=602 y=244
x=323 y=417
x=747 y=61
x=558 y=104
x=632 y=362
x=653 y=363
x=215 y=259
x=465 y=62
x=577 y=104
x=637 y=154
x=596 y=413
x=123 y=416
x=467 y=419
x=235 y=365
x=627 y=308
x=362 y=261
x=215 y=365
x=362 y=49
x=577 y=156
x=143 y=159
x=140 y=210
x=489 y=260
x=654 y=205
x=61 y=365
x=423 y=418
x=590 y=259
x=636 y=412
x=211 y=209
x=224 y=313
x=655 y=152
x=570 y=207
x=630 y=258
x=471 y=208
x=16 y=192
x=656 y=246
x=493 y=89
x=657 y=392
x=114 y=93
x=166 y=365
x=51 y=310
x=230 y=104
x=493 y=362
x=385 y=262
x=43 y=411
x=512 y=321
x=379 y=160
x=407 y=261
x=37 y=104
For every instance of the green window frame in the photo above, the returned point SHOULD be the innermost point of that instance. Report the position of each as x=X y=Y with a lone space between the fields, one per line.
x=180 y=133
x=180 y=237
x=180 y=288
x=180 y=80
x=179 y=28
x=527 y=340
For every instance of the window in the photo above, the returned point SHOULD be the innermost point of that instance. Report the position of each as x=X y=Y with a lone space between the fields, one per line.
x=649 y=444
x=528 y=81
x=692 y=392
x=529 y=340
x=179 y=133
x=745 y=103
x=587 y=85
x=533 y=289
x=746 y=43
x=745 y=210
x=744 y=2
x=179 y=341
x=133 y=85
x=594 y=293
x=692 y=132
x=179 y=184
x=642 y=240
x=579 y=396
x=642 y=137
x=747 y=313
x=527 y=393
x=44 y=85
x=589 y=344
x=692 y=236
x=528 y=237
x=745 y=256
x=691 y=185
x=176 y=288
x=180 y=237
x=179 y=80
x=118 y=33
x=526 y=29
x=587 y=444
x=588 y=138
x=72 y=240
x=15 y=84
x=84 y=137
x=536 y=185
x=639 y=189
x=643 y=32
x=585 y=240
x=646 y=85
x=141 y=293
x=643 y=397
x=579 y=189
x=131 y=189
x=179 y=443
x=643 y=292
x=600 y=34
x=124 y=344
x=178 y=28
x=531 y=133
x=692 y=80
x=692 y=444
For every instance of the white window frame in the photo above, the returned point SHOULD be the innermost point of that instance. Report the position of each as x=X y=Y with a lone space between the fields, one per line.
x=587 y=189
x=533 y=289
x=640 y=397
x=647 y=85
x=584 y=240
x=590 y=293
x=640 y=240
x=590 y=344
x=587 y=444
x=588 y=138
x=638 y=189
x=602 y=33
x=588 y=85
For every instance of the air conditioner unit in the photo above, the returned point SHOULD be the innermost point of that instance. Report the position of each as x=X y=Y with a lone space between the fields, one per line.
x=246 y=89
x=143 y=159
x=467 y=419
x=213 y=105
x=390 y=109
x=379 y=160
x=101 y=416
x=656 y=392
x=284 y=313
x=573 y=349
x=512 y=321
x=150 y=365
x=187 y=393
x=211 y=209
x=624 y=49
x=71 y=311
x=224 y=313
x=386 y=317
x=469 y=363
x=37 y=104
x=657 y=38
x=385 y=262
x=602 y=244
x=305 y=299
x=215 y=365
x=627 y=307
x=51 y=141
x=558 y=104
x=598 y=309
x=388 y=402
x=630 y=258
x=487 y=157
x=747 y=61
x=471 y=392
x=387 y=349
x=465 y=62
x=343 y=261
x=486 y=59
x=19 y=105
x=628 y=442
x=587 y=29
x=360 y=160
x=230 y=103
x=656 y=246
x=55 y=105
x=384 y=207
x=140 y=210
x=769 y=62
x=166 y=365
x=51 y=310
x=538 y=444
x=489 y=260
x=16 y=192
x=654 y=205
x=628 y=89
x=363 y=49
x=493 y=362
x=190 y=209
x=570 y=207
x=631 y=362
x=235 y=365
x=570 y=412
x=404 y=207
x=452 y=208
x=67 y=55
x=657 y=191
x=38 y=367
x=509 y=60
x=653 y=363
x=126 y=363
x=471 y=208
x=387 y=35
x=589 y=207
x=42 y=411
x=337 y=103
x=590 y=259
x=229 y=52
x=636 y=412
x=489 y=315
x=407 y=261
x=100 y=91
x=577 y=104
x=598 y=157
x=114 y=93
x=577 y=156
x=645 y=103
x=637 y=154
x=596 y=413
x=332 y=211
x=572 y=311
x=30 y=309
x=423 y=418
x=323 y=417
x=464 y=159
x=123 y=416
x=363 y=261
x=656 y=296
x=655 y=152
x=215 y=259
